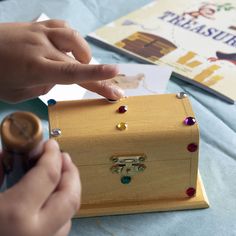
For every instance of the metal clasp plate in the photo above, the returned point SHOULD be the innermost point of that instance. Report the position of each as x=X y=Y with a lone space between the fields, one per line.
x=128 y=166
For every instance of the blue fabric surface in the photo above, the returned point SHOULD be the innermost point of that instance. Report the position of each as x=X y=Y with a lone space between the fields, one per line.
x=215 y=117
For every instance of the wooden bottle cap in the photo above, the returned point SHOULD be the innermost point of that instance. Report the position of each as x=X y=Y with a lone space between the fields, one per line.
x=21 y=132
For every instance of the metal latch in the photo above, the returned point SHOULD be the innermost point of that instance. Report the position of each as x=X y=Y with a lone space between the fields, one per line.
x=127 y=166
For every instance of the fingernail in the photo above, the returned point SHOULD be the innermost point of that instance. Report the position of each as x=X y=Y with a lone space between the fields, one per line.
x=113 y=69
x=112 y=100
x=53 y=142
x=118 y=92
x=66 y=157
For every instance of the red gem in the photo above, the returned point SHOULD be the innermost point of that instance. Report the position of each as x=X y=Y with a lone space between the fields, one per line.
x=189 y=121
x=192 y=147
x=123 y=109
x=191 y=192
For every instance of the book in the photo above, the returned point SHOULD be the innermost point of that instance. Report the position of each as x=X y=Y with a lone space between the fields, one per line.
x=197 y=39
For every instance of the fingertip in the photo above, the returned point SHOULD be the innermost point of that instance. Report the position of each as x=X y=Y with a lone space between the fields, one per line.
x=88 y=55
x=118 y=93
x=66 y=157
x=52 y=143
x=82 y=54
x=66 y=160
x=85 y=55
x=86 y=59
x=68 y=164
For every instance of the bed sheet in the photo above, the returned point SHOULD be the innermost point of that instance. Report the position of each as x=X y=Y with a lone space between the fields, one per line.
x=216 y=118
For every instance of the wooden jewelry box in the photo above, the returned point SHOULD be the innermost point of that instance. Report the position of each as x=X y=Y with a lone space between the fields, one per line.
x=139 y=154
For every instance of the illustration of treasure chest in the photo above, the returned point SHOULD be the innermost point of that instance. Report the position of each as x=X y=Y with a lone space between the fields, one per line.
x=147 y=45
x=139 y=154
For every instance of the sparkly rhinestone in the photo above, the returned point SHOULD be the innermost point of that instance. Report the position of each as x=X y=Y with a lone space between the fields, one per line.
x=189 y=121
x=122 y=126
x=181 y=95
x=191 y=192
x=192 y=147
x=125 y=179
x=123 y=109
x=56 y=132
x=51 y=102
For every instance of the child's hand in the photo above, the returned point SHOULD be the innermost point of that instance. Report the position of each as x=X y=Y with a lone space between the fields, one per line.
x=33 y=59
x=44 y=200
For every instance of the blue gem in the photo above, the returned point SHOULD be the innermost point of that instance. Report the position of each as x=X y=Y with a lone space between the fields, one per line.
x=51 y=102
x=125 y=179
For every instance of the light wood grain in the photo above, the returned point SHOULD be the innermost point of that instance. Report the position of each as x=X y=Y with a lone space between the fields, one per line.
x=155 y=128
x=200 y=201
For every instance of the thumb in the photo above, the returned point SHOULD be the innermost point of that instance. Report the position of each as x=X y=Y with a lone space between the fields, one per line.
x=56 y=72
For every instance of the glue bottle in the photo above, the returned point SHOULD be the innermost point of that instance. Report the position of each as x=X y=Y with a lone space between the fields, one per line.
x=22 y=144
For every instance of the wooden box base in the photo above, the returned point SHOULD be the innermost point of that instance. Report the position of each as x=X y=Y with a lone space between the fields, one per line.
x=197 y=202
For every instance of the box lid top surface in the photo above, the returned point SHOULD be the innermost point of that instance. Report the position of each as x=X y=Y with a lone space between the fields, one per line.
x=153 y=121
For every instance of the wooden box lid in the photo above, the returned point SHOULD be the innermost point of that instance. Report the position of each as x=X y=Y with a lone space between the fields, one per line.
x=155 y=127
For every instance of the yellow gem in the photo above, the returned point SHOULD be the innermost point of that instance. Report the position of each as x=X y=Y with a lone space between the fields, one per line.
x=122 y=126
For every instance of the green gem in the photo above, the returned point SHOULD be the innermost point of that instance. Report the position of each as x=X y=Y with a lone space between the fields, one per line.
x=125 y=179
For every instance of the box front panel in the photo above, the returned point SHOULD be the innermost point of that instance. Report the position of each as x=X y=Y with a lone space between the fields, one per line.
x=159 y=180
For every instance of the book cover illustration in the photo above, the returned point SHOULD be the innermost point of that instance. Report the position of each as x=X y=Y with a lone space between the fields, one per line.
x=197 y=39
